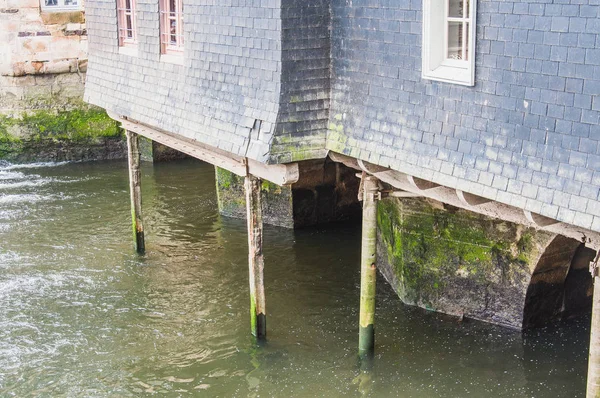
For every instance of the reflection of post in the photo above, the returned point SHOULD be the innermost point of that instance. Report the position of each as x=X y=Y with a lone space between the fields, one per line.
x=135 y=177
x=593 y=377
x=258 y=318
x=368 y=270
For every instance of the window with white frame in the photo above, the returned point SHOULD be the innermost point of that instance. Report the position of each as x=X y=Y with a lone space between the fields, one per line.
x=449 y=41
x=127 y=23
x=171 y=26
x=60 y=5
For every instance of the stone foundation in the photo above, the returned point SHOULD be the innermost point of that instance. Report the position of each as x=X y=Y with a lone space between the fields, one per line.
x=43 y=62
x=326 y=192
x=152 y=151
x=457 y=262
x=43 y=118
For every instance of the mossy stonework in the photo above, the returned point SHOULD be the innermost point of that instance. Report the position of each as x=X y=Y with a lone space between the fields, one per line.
x=276 y=201
x=454 y=261
x=77 y=133
x=325 y=192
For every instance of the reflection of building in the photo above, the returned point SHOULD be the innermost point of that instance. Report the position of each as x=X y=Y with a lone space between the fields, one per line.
x=488 y=106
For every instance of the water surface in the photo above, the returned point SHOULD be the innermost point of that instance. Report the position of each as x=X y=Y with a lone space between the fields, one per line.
x=81 y=315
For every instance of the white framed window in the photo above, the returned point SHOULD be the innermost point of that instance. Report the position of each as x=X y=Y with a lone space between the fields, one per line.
x=60 y=5
x=171 y=27
x=449 y=41
x=127 y=23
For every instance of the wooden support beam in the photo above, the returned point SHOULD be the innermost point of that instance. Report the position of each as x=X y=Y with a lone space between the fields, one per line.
x=539 y=220
x=593 y=376
x=258 y=314
x=135 y=177
x=469 y=199
x=280 y=174
x=368 y=268
x=421 y=184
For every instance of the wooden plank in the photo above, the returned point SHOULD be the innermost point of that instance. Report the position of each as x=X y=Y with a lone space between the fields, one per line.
x=280 y=174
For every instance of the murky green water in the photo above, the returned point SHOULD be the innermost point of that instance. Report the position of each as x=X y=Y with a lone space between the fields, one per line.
x=82 y=316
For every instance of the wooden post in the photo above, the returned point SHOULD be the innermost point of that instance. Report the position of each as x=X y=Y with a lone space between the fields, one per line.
x=135 y=177
x=593 y=376
x=368 y=269
x=258 y=314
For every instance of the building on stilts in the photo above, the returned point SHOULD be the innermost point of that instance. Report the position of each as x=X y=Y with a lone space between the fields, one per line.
x=469 y=130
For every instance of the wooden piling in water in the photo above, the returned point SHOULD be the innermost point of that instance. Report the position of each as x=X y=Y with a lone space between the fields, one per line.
x=368 y=269
x=258 y=314
x=135 y=177
x=593 y=376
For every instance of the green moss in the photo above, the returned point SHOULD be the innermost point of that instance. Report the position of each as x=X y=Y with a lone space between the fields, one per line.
x=86 y=124
x=428 y=247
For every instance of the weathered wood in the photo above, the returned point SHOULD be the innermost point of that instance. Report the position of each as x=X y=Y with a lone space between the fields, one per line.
x=593 y=376
x=368 y=269
x=135 y=189
x=258 y=313
x=280 y=174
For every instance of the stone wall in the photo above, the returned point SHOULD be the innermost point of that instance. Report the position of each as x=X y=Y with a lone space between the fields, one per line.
x=43 y=61
x=325 y=192
x=457 y=262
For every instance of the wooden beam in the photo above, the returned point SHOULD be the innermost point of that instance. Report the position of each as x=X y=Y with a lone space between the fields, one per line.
x=256 y=263
x=370 y=167
x=368 y=268
x=422 y=184
x=135 y=190
x=539 y=220
x=280 y=174
x=471 y=200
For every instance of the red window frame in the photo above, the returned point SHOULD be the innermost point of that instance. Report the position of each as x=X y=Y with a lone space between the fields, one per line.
x=171 y=26
x=127 y=23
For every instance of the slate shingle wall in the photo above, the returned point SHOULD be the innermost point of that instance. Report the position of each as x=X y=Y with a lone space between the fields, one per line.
x=304 y=112
x=226 y=93
x=527 y=134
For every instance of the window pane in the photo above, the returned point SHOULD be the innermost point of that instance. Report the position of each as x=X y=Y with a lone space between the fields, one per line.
x=455 y=36
x=51 y=2
x=71 y=2
x=467 y=8
x=129 y=32
x=172 y=7
x=173 y=32
x=128 y=4
x=455 y=8
x=466 y=41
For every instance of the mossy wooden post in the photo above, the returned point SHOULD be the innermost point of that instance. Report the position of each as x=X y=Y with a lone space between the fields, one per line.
x=135 y=176
x=368 y=269
x=258 y=317
x=593 y=376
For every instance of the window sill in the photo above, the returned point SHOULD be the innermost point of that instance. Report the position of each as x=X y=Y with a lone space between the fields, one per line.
x=450 y=74
x=130 y=50
x=176 y=59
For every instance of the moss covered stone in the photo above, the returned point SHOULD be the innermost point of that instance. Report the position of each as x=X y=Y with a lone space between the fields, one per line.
x=43 y=134
x=455 y=261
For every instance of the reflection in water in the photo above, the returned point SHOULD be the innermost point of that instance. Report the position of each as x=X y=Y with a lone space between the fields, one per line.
x=82 y=315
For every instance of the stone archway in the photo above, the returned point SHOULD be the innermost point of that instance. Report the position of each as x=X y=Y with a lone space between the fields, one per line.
x=560 y=285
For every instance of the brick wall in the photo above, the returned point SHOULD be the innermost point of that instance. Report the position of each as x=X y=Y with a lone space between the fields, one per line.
x=527 y=134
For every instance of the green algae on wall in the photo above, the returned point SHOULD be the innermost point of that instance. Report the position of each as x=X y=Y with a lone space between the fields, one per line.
x=276 y=200
x=455 y=261
x=44 y=134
